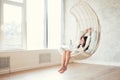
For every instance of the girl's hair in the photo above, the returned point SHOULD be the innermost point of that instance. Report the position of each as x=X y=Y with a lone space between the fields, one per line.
x=85 y=39
x=78 y=46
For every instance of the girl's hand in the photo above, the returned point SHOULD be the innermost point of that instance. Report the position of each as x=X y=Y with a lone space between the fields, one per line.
x=89 y=30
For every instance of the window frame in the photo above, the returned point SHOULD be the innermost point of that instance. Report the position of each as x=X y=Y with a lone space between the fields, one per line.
x=46 y=24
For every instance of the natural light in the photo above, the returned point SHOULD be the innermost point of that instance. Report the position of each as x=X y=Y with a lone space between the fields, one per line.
x=12 y=27
x=35 y=24
x=54 y=23
x=31 y=24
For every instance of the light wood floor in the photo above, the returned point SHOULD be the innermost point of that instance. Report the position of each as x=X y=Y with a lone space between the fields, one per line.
x=75 y=72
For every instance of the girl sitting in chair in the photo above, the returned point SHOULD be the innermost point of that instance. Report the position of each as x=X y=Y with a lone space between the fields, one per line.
x=83 y=45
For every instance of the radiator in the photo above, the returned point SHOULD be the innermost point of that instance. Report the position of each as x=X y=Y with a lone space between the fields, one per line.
x=44 y=58
x=5 y=62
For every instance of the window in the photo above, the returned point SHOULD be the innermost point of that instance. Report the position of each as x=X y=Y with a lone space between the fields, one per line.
x=43 y=24
x=35 y=24
x=54 y=23
x=30 y=24
x=12 y=25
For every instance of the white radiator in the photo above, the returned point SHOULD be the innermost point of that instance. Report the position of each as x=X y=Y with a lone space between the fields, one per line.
x=44 y=58
x=5 y=63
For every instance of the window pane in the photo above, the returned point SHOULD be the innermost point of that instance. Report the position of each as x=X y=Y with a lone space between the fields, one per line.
x=21 y=1
x=35 y=24
x=54 y=23
x=12 y=17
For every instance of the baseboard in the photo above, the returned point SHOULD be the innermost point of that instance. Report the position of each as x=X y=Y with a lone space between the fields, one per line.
x=33 y=67
x=4 y=71
x=98 y=62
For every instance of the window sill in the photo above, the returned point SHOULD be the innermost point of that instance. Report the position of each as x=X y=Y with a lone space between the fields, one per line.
x=24 y=50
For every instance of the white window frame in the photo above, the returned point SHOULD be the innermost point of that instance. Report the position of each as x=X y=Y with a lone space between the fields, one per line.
x=46 y=24
x=62 y=22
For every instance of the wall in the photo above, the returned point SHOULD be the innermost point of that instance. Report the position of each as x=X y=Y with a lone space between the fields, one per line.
x=23 y=60
x=108 y=51
x=0 y=23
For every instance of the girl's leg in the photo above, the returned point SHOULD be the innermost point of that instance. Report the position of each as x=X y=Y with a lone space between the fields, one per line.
x=67 y=58
x=63 y=60
x=68 y=55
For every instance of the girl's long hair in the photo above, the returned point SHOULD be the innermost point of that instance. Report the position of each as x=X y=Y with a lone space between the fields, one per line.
x=85 y=39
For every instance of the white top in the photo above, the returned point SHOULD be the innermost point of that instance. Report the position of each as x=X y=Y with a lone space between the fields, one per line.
x=73 y=48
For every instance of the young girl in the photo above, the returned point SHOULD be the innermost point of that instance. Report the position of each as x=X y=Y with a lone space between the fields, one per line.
x=83 y=45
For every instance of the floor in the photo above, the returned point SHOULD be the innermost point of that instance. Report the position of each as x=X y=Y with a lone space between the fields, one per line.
x=74 y=72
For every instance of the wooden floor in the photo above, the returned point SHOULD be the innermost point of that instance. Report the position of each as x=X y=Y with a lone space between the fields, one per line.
x=74 y=72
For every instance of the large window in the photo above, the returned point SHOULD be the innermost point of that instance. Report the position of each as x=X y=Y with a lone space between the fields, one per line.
x=30 y=24
x=12 y=25
x=35 y=24
x=54 y=23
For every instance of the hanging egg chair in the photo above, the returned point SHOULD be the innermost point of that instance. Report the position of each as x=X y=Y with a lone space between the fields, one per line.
x=85 y=18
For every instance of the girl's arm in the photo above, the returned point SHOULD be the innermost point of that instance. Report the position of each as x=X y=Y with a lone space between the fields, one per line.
x=87 y=43
x=84 y=33
x=88 y=39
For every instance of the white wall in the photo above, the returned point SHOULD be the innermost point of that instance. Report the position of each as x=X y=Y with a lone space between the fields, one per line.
x=23 y=60
x=108 y=51
x=0 y=23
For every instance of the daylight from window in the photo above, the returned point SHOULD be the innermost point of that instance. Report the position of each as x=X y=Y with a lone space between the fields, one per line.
x=30 y=24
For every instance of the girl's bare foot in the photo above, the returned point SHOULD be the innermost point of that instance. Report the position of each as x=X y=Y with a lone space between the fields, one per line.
x=63 y=69
x=60 y=69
